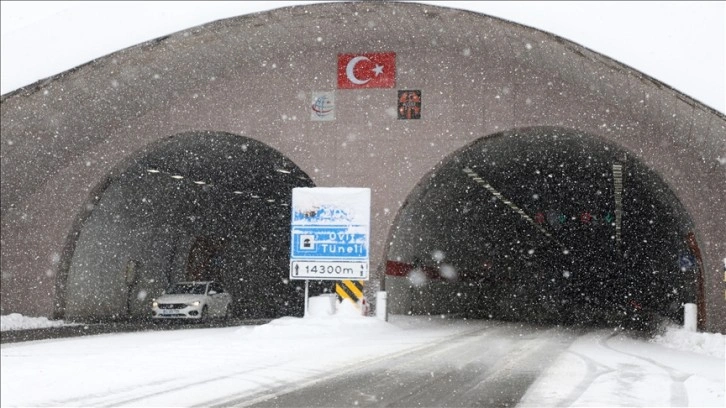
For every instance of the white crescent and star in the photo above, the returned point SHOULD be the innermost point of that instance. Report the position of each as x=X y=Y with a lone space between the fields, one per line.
x=378 y=70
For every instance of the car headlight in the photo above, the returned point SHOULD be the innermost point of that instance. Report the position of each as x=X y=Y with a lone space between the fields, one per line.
x=155 y=304
x=195 y=303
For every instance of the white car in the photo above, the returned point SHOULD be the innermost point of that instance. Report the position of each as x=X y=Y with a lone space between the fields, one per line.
x=192 y=300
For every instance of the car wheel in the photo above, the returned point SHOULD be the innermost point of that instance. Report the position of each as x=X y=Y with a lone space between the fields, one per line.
x=205 y=315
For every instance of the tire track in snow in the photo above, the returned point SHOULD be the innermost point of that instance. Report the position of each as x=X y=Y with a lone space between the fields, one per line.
x=593 y=371
x=679 y=394
x=132 y=393
x=493 y=367
x=596 y=370
x=139 y=392
x=257 y=396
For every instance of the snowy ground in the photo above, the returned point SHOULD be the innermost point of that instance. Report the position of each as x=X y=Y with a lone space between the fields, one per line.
x=206 y=366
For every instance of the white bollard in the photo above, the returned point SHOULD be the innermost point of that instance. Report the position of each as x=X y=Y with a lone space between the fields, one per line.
x=381 y=305
x=690 y=317
x=333 y=298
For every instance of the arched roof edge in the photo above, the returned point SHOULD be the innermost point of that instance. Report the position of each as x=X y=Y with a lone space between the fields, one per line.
x=574 y=46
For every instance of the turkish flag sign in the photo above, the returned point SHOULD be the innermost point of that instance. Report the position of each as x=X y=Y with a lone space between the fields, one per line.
x=370 y=70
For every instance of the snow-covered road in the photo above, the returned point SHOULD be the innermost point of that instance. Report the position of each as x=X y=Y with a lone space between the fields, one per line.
x=282 y=359
x=491 y=365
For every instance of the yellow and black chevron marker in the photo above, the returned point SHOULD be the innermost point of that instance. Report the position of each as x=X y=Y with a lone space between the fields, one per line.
x=351 y=290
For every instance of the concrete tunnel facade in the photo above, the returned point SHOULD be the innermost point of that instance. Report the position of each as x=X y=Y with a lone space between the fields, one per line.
x=64 y=139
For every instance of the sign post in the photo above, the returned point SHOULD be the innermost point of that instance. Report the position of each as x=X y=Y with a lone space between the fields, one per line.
x=329 y=234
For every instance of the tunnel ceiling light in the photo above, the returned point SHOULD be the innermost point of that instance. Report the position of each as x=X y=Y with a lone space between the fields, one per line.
x=270 y=200
x=153 y=171
x=283 y=171
x=178 y=177
x=255 y=196
x=201 y=183
x=237 y=192
x=474 y=176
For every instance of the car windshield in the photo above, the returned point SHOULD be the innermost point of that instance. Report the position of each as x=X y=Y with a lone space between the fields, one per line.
x=187 y=289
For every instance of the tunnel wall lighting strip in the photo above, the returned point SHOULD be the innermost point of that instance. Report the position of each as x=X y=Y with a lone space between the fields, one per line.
x=618 y=184
x=236 y=192
x=469 y=172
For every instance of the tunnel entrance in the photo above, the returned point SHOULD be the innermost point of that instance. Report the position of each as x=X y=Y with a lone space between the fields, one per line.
x=543 y=225
x=195 y=206
x=204 y=259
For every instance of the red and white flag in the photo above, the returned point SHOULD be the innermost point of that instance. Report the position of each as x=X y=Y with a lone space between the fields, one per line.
x=369 y=70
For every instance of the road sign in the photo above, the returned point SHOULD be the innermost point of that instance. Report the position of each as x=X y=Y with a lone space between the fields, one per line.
x=329 y=242
x=686 y=261
x=330 y=233
x=351 y=290
x=329 y=270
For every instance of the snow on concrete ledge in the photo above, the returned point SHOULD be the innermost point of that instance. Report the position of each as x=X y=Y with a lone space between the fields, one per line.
x=711 y=344
x=16 y=321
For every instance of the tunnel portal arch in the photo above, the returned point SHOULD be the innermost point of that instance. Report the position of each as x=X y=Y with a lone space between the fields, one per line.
x=258 y=75
x=545 y=225
x=193 y=206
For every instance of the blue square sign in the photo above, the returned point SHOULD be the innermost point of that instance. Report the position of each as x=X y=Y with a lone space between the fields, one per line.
x=330 y=233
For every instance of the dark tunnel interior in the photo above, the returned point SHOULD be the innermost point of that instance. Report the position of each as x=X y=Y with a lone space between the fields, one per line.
x=545 y=225
x=195 y=206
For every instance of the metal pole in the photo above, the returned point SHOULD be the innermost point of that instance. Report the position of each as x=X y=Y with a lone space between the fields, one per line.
x=306 y=297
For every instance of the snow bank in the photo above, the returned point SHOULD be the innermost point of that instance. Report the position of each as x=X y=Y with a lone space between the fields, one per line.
x=320 y=320
x=711 y=344
x=346 y=322
x=16 y=321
